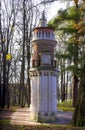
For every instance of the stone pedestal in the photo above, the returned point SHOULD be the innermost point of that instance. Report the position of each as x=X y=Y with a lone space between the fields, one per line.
x=43 y=95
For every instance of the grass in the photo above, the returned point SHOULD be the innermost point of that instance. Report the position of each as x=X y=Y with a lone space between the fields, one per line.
x=39 y=127
x=6 y=111
x=65 y=106
x=5 y=122
x=12 y=109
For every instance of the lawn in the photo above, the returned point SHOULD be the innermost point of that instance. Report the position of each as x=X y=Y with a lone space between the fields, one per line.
x=66 y=106
x=39 y=127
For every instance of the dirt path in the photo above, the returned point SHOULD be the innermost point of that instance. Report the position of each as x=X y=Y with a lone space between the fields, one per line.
x=22 y=117
x=64 y=117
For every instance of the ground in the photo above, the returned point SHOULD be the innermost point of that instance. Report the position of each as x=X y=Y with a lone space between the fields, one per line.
x=20 y=120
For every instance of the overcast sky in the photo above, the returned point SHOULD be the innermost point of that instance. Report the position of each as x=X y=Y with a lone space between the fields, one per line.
x=52 y=9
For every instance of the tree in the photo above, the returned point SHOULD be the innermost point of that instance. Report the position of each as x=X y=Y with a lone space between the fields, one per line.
x=75 y=52
x=79 y=113
x=65 y=17
x=25 y=24
x=7 y=24
x=16 y=24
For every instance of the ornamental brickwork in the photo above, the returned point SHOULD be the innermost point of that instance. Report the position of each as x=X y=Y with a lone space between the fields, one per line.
x=42 y=47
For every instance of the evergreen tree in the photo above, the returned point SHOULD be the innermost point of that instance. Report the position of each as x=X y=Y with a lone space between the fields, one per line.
x=72 y=22
x=79 y=113
x=65 y=23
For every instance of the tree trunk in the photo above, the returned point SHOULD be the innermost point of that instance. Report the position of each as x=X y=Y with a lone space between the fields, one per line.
x=23 y=60
x=67 y=88
x=75 y=90
x=75 y=77
x=7 y=85
x=79 y=113
x=0 y=81
x=4 y=81
x=63 y=81
x=61 y=87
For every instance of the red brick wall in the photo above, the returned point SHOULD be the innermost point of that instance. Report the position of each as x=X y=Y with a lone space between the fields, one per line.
x=42 y=47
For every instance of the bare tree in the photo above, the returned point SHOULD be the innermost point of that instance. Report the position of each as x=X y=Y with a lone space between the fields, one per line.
x=16 y=25
x=8 y=16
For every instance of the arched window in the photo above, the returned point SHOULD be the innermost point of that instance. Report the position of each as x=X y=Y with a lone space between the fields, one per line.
x=39 y=33
x=49 y=34
x=42 y=33
x=52 y=35
x=46 y=34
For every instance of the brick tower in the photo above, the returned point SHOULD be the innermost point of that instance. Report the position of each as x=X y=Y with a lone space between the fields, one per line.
x=43 y=75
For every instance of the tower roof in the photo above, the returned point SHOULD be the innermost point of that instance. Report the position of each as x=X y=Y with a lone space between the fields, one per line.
x=42 y=21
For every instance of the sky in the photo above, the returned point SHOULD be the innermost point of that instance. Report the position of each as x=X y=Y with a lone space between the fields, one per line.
x=52 y=9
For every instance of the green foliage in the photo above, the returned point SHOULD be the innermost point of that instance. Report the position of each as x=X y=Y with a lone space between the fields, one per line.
x=71 y=15
x=65 y=106
x=71 y=22
x=76 y=70
x=65 y=103
x=65 y=22
x=59 y=55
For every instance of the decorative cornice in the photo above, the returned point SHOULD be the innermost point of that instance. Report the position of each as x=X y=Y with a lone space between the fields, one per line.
x=44 y=41
x=42 y=72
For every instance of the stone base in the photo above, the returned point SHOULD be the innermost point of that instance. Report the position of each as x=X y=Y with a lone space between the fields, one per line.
x=43 y=118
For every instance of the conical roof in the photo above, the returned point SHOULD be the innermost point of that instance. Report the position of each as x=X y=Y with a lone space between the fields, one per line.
x=42 y=21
